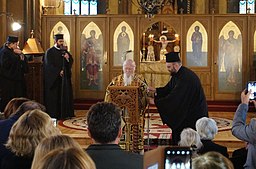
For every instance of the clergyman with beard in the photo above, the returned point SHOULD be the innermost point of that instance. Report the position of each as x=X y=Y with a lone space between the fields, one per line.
x=58 y=94
x=130 y=78
x=182 y=101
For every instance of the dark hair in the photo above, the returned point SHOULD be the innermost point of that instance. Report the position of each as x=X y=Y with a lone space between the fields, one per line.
x=104 y=122
x=29 y=105
x=13 y=105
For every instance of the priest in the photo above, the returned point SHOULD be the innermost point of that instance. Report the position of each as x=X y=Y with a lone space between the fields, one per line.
x=13 y=66
x=58 y=94
x=130 y=78
x=182 y=101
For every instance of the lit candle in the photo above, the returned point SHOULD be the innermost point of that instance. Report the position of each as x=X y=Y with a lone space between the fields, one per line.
x=143 y=40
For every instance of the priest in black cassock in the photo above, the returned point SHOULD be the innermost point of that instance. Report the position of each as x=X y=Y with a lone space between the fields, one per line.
x=58 y=94
x=13 y=66
x=182 y=101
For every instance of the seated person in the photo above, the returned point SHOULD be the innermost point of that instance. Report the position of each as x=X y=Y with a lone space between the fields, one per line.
x=211 y=160
x=190 y=138
x=13 y=105
x=207 y=129
x=65 y=158
x=25 y=135
x=104 y=127
x=6 y=124
x=59 y=143
x=246 y=132
x=130 y=78
x=239 y=157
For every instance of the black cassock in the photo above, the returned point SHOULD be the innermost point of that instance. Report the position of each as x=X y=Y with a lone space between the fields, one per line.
x=12 y=80
x=58 y=94
x=181 y=102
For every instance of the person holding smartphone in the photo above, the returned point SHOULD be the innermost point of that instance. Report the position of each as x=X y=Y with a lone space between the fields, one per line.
x=243 y=131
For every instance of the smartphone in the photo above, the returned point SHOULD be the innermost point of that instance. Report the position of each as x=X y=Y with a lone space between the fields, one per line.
x=251 y=85
x=54 y=121
x=178 y=157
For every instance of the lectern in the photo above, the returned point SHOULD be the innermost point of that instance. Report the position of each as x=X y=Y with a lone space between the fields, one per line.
x=127 y=98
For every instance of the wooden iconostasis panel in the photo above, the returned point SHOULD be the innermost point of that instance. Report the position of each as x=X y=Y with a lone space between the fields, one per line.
x=206 y=43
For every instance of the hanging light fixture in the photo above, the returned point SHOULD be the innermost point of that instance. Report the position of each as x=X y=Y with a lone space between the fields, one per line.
x=150 y=7
x=15 y=25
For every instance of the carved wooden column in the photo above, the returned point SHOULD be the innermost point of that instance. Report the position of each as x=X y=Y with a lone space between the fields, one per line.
x=3 y=21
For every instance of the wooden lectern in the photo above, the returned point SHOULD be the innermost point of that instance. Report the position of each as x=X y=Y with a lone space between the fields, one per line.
x=127 y=98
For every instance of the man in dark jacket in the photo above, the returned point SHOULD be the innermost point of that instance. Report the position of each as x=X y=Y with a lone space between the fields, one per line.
x=58 y=94
x=182 y=101
x=104 y=127
x=13 y=66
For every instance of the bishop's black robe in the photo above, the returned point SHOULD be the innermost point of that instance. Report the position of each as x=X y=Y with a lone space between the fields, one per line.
x=58 y=94
x=12 y=80
x=181 y=102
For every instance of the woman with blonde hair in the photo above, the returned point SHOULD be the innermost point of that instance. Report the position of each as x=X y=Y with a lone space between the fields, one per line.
x=25 y=135
x=212 y=160
x=53 y=143
x=6 y=124
x=69 y=158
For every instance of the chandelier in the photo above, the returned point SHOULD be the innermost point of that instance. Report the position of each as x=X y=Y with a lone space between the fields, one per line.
x=150 y=7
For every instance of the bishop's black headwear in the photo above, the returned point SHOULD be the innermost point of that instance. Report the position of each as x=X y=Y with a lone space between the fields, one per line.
x=172 y=57
x=12 y=39
x=58 y=36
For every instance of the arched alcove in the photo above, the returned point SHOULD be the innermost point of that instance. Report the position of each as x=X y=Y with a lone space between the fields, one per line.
x=230 y=59
x=123 y=41
x=60 y=28
x=91 y=58
x=197 y=45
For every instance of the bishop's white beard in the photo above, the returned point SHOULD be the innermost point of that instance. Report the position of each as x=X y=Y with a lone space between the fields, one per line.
x=128 y=80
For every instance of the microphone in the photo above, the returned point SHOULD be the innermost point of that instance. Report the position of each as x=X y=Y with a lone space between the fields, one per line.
x=64 y=51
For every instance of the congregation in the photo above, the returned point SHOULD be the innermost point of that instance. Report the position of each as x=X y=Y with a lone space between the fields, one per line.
x=29 y=139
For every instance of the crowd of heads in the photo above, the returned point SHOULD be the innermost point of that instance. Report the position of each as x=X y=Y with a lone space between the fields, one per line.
x=34 y=135
x=35 y=142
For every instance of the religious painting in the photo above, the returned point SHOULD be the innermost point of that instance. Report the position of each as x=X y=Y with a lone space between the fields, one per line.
x=159 y=39
x=230 y=59
x=91 y=59
x=123 y=43
x=60 y=28
x=197 y=45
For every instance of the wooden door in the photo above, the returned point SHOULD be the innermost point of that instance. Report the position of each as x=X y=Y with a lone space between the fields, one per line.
x=230 y=36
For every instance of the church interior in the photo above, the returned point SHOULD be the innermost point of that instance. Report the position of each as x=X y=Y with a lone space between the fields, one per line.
x=225 y=60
